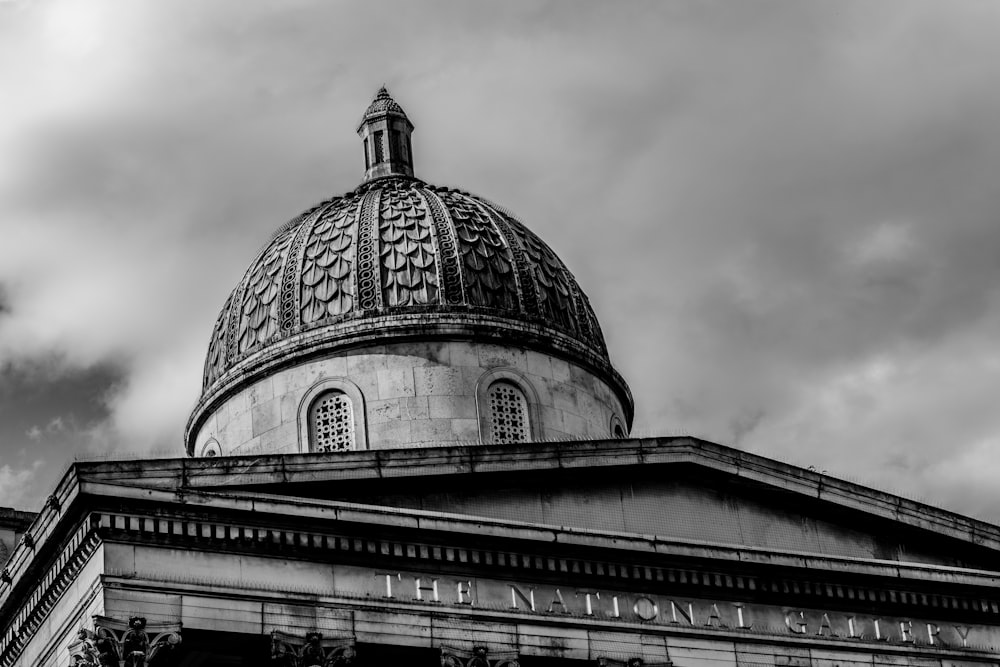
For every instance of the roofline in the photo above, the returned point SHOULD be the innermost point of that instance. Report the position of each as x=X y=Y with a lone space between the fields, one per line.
x=176 y=477
x=261 y=504
x=261 y=469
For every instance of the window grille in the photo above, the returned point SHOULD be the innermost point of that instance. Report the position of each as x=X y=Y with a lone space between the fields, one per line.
x=331 y=422
x=508 y=413
x=378 y=146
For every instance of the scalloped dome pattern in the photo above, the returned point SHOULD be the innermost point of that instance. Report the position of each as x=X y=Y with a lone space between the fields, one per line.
x=399 y=246
x=382 y=104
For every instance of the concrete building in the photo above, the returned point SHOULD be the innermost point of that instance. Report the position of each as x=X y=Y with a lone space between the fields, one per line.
x=412 y=448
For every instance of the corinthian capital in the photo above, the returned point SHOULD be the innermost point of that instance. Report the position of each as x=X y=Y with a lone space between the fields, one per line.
x=115 y=643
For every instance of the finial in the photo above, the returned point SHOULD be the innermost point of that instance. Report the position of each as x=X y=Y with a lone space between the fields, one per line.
x=385 y=131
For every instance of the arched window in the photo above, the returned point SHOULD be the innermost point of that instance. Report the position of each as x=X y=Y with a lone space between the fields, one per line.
x=331 y=422
x=332 y=417
x=617 y=428
x=508 y=411
x=211 y=448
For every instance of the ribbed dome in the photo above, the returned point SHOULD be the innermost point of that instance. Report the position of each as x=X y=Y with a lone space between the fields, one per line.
x=396 y=260
x=398 y=254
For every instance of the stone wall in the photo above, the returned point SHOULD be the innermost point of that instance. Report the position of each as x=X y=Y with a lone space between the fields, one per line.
x=414 y=394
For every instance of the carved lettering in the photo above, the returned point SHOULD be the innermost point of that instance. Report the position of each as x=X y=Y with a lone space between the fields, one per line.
x=740 y=620
x=796 y=622
x=463 y=590
x=826 y=627
x=516 y=594
x=661 y=609
x=675 y=610
x=714 y=617
x=615 y=611
x=645 y=608
x=420 y=589
x=557 y=599
x=589 y=606
x=389 y=576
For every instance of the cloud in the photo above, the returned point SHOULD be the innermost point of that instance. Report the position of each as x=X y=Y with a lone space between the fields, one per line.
x=16 y=484
x=784 y=213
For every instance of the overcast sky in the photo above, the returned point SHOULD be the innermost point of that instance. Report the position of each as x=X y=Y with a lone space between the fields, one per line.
x=786 y=214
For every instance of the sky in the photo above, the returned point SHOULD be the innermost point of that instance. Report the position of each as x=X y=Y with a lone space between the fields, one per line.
x=785 y=213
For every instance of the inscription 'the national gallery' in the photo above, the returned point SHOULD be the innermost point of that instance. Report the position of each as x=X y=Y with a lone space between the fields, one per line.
x=658 y=608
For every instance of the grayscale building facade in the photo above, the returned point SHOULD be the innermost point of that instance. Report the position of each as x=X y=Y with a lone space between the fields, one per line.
x=412 y=448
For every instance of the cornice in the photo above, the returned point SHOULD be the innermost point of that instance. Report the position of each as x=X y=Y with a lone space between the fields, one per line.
x=260 y=470
x=338 y=530
x=19 y=626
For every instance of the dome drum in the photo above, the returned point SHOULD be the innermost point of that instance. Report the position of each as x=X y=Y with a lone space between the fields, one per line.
x=414 y=393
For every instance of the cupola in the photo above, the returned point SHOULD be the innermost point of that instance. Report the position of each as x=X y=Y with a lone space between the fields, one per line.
x=385 y=131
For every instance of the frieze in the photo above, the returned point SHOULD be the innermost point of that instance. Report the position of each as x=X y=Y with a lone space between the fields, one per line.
x=662 y=609
x=709 y=582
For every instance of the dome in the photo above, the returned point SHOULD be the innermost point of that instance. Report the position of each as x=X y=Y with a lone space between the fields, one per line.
x=398 y=259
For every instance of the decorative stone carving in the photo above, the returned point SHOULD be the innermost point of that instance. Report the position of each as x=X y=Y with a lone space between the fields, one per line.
x=215 y=364
x=290 y=297
x=479 y=657
x=409 y=269
x=259 y=309
x=487 y=265
x=555 y=300
x=451 y=285
x=328 y=264
x=114 y=643
x=367 y=279
x=313 y=650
